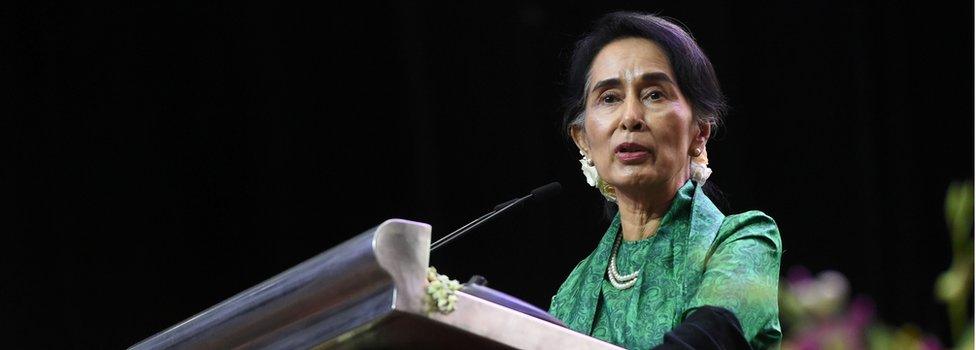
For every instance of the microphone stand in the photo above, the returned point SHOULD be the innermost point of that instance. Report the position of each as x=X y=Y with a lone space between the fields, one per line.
x=471 y=225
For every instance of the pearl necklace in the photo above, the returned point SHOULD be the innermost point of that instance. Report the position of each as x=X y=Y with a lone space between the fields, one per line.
x=618 y=281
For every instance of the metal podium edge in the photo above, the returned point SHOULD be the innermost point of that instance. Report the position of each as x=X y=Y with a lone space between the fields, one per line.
x=345 y=287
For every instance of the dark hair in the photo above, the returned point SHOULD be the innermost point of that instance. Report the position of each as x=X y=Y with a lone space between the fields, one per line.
x=693 y=71
x=696 y=79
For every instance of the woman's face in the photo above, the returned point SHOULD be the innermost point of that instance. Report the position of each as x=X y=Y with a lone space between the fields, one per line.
x=638 y=128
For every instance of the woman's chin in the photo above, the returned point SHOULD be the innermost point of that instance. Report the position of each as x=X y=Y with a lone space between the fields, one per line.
x=635 y=182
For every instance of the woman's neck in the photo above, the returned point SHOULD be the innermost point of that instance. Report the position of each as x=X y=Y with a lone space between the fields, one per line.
x=641 y=212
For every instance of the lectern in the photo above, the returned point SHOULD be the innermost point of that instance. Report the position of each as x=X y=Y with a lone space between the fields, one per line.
x=366 y=293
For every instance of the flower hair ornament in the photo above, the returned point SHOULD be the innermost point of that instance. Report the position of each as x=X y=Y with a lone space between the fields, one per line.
x=593 y=178
x=699 y=166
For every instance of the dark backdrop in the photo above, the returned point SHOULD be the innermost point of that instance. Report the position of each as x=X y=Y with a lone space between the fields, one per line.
x=167 y=156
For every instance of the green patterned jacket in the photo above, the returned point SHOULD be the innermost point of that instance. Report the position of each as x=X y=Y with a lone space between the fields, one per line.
x=697 y=257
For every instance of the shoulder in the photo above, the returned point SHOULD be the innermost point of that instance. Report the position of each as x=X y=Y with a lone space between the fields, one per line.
x=751 y=225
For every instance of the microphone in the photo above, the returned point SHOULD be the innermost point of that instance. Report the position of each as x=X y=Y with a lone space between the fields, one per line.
x=537 y=195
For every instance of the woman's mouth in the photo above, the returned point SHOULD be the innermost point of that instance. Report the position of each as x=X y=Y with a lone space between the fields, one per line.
x=631 y=153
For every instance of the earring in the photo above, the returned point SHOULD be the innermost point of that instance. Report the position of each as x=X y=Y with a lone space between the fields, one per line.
x=586 y=164
x=586 y=158
x=699 y=166
x=593 y=178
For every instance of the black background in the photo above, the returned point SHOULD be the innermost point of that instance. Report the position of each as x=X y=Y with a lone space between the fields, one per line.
x=167 y=156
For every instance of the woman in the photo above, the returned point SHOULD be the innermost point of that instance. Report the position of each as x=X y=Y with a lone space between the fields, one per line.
x=671 y=271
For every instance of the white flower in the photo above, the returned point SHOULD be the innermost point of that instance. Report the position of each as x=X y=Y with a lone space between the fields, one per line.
x=700 y=173
x=440 y=292
x=590 y=172
x=699 y=167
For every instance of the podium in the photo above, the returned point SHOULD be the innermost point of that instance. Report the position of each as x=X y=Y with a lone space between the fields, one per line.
x=366 y=293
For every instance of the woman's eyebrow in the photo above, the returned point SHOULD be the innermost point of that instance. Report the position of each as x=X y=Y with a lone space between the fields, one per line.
x=654 y=77
x=612 y=82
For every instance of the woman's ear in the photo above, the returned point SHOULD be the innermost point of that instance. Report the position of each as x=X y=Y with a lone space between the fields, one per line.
x=579 y=137
x=701 y=137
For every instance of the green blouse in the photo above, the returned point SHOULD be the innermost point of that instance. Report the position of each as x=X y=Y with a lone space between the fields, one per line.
x=697 y=257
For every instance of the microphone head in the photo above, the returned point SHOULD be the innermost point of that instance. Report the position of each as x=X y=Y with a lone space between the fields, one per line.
x=545 y=192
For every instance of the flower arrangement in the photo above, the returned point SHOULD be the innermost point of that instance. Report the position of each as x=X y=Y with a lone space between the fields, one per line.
x=955 y=286
x=818 y=315
x=440 y=295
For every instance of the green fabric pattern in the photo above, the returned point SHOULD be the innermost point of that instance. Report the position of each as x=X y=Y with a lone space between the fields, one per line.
x=697 y=257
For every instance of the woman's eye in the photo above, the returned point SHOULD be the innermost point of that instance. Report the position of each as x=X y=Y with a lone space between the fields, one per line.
x=609 y=98
x=655 y=95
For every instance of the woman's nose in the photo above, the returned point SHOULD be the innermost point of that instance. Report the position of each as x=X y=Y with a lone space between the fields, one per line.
x=633 y=118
